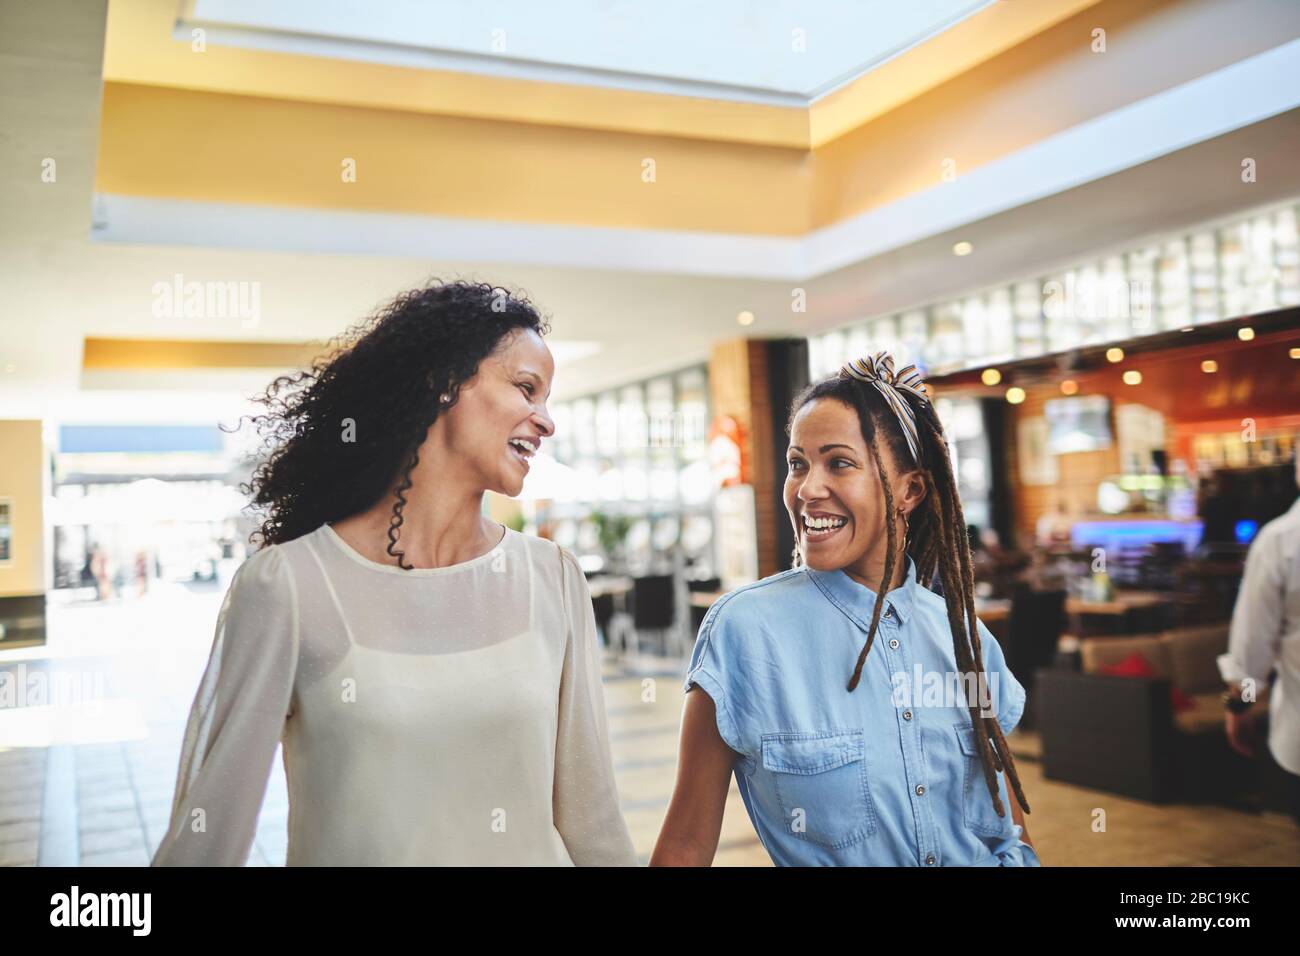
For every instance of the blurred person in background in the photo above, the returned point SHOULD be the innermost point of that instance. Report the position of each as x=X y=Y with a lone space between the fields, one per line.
x=141 y=573
x=1264 y=642
x=101 y=568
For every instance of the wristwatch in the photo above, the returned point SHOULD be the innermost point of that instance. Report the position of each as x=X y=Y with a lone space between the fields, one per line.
x=1234 y=704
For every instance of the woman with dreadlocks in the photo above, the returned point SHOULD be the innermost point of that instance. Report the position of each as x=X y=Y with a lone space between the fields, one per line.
x=433 y=675
x=861 y=730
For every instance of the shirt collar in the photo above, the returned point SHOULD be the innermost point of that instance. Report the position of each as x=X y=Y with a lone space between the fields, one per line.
x=858 y=601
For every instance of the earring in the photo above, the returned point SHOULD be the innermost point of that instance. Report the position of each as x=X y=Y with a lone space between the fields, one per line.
x=444 y=398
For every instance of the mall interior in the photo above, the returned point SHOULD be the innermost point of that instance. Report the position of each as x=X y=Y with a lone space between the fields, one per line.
x=1078 y=218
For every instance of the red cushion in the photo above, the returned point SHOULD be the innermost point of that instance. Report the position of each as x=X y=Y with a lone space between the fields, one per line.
x=1180 y=701
x=1135 y=665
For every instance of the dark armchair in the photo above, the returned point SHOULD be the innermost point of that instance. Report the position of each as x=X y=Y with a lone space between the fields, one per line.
x=1123 y=734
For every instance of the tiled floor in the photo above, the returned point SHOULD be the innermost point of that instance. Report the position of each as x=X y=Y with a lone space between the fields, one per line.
x=93 y=785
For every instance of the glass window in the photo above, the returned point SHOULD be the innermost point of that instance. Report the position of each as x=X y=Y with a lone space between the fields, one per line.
x=561 y=443
x=693 y=407
x=913 y=330
x=584 y=426
x=944 y=350
x=633 y=434
x=1173 y=285
x=1203 y=278
x=884 y=335
x=607 y=424
x=663 y=419
x=1285 y=257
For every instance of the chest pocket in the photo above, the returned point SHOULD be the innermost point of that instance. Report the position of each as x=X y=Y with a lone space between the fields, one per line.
x=820 y=783
x=977 y=804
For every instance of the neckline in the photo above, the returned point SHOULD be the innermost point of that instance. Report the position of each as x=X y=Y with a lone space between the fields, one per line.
x=365 y=562
x=854 y=594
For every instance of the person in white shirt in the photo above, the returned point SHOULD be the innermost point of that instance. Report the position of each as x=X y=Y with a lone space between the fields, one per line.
x=434 y=677
x=1265 y=636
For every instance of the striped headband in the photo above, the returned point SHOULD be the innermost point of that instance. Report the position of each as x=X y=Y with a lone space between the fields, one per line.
x=878 y=369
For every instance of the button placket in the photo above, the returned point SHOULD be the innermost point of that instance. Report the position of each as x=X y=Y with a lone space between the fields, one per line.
x=927 y=849
x=910 y=744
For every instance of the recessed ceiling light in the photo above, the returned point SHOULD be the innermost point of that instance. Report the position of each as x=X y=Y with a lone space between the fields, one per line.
x=990 y=376
x=1209 y=366
x=1015 y=395
x=1069 y=387
x=962 y=248
x=1245 y=333
x=1132 y=377
x=1115 y=355
x=1295 y=353
x=745 y=318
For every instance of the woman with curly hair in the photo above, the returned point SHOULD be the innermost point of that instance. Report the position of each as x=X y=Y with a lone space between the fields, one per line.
x=863 y=716
x=434 y=676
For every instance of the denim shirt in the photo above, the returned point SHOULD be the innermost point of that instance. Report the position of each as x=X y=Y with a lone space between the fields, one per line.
x=888 y=775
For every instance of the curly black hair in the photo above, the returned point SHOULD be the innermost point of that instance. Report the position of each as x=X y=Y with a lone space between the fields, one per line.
x=379 y=383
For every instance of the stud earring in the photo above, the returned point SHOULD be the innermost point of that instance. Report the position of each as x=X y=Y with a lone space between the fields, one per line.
x=444 y=398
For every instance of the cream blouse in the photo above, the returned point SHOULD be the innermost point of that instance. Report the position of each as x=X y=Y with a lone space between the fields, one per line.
x=440 y=716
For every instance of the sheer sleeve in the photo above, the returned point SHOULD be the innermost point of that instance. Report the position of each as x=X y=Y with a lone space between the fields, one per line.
x=586 y=806
x=237 y=719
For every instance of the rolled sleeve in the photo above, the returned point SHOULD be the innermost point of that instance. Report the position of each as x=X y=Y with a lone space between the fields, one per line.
x=713 y=671
x=1007 y=693
x=1016 y=852
x=1255 y=636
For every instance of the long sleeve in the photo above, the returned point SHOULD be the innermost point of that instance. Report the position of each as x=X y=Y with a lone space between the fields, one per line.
x=585 y=799
x=237 y=719
x=1256 y=633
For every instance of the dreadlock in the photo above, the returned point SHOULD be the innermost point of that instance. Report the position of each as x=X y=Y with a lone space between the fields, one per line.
x=935 y=537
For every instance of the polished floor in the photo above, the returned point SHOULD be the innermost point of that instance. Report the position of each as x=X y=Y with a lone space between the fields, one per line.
x=91 y=784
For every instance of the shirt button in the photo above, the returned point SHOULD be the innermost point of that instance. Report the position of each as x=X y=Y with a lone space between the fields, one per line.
x=929 y=860
x=907 y=715
x=894 y=644
x=920 y=790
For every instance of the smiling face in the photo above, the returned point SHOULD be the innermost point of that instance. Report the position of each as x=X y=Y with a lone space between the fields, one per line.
x=498 y=422
x=833 y=492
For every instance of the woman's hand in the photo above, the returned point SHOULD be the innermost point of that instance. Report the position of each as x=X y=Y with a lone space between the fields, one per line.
x=690 y=832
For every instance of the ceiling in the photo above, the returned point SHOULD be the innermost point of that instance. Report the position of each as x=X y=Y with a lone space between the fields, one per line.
x=778 y=52
x=726 y=71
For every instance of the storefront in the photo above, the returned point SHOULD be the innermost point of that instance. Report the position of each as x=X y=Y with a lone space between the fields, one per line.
x=1183 y=441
